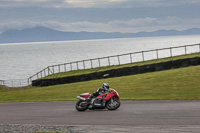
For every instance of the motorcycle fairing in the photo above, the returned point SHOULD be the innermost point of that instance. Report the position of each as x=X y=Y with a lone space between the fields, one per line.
x=101 y=100
x=86 y=95
x=106 y=96
x=99 y=103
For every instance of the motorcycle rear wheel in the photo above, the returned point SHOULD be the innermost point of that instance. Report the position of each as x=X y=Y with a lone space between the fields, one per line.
x=80 y=106
x=113 y=106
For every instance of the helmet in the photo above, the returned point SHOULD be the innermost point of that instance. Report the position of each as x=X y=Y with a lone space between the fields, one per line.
x=105 y=86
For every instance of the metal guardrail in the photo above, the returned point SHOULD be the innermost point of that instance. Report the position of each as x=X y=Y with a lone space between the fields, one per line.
x=106 y=61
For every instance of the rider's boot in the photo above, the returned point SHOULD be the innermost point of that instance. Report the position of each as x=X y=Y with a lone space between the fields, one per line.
x=89 y=100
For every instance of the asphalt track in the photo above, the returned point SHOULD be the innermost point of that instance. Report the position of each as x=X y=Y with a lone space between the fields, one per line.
x=131 y=114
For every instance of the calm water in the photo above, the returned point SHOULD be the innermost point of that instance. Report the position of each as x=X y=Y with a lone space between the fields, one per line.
x=19 y=61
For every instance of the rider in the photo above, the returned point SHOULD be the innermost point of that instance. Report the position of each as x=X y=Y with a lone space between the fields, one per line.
x=105 y=87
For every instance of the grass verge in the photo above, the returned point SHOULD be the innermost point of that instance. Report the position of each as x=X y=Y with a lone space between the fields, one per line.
x=174 y=84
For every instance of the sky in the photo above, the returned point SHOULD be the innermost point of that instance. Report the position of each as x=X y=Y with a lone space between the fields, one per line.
x=126 y=16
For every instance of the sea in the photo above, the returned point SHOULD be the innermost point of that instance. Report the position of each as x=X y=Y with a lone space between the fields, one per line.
x=22 y=60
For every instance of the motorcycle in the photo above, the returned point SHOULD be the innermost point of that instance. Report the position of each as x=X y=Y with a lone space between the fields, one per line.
x=108 y=100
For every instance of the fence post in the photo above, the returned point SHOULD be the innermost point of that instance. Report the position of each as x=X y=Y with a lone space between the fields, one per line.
x=143 y=55
x=118 y=59
x=48 y=70
x=99 y=62
x=65 y=67
x=171 y=51
x=45 y=72
x=108 y=61
x=185 y=49
x=77 y=65
x=91 y=63
x=131 y=58
x=157 y=53
x=59 y=68
x=53 y=69
x=83 y=64
x=28 y=80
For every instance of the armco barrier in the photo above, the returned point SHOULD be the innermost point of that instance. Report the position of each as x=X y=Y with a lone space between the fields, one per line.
x=194 y=61
x=134 y=70
x=185 y=62
x=119 y=72
x=122 y=71
x=176 y=63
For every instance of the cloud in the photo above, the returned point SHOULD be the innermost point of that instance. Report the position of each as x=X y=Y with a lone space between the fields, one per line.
x=30 y=3
x=84 y=3
x=95 y=3
x=133 y=22
x=100 y=15
x=59 y=3
x=17 y=24
x=191 y=1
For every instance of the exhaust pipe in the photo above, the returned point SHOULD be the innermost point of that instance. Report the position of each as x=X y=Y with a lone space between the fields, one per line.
x=81 y=98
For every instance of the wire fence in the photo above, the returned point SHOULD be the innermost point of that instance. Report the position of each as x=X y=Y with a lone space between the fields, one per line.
x=106 y=61
x=15 y=82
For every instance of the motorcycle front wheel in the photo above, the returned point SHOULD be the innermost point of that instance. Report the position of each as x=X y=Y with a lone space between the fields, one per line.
x=113 y=104
x=81 y=105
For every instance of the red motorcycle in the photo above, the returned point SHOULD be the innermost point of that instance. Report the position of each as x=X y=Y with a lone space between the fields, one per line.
x=108 y=100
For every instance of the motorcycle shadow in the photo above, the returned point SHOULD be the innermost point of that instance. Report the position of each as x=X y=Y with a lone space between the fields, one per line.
x=93 y=110
x=99 y=110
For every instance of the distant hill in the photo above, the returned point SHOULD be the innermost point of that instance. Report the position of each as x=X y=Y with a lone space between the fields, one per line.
x=42 y=34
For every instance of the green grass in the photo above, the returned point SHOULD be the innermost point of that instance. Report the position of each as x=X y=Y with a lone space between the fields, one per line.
x=174 y=84
x=79 y=72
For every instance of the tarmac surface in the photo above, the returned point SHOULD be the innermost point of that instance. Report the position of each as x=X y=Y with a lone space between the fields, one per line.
x=132 y=116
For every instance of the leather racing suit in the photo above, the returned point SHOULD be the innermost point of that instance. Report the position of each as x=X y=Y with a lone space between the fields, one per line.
x=98 y=92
